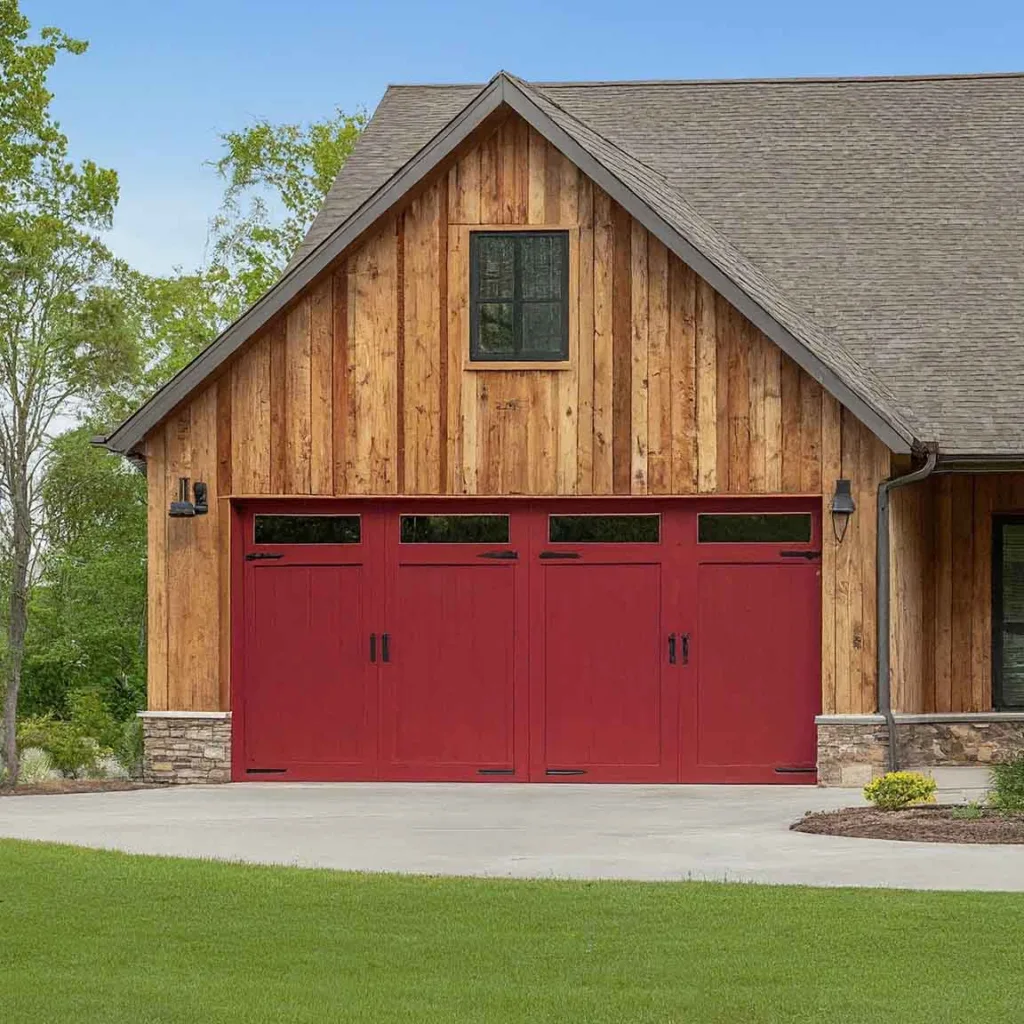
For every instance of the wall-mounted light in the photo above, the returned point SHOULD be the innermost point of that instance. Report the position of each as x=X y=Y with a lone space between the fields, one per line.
x=184 y=508
x=843 y=506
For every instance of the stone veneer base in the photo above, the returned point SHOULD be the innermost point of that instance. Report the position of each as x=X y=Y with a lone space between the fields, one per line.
x=184 y=747
x=853 y=749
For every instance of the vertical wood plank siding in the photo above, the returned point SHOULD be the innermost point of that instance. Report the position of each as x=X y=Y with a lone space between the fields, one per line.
x=942 y=585
x=361 y=387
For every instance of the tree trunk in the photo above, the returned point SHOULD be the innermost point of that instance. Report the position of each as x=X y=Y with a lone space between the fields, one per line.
x=21 y=551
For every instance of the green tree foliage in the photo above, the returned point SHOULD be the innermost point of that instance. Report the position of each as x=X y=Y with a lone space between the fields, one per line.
x=88 y=608
x=110 y=337
x=276 y=178
x=62 y=332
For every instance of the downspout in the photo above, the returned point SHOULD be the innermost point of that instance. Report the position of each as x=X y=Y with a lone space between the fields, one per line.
x=884 y=586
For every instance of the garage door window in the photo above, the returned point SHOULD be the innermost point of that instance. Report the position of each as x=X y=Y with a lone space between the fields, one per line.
x=604 y=529
x=454 y=529
x=306 y=530
x=757 y=528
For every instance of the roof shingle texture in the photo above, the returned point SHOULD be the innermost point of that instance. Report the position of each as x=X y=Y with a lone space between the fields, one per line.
x=888 y=212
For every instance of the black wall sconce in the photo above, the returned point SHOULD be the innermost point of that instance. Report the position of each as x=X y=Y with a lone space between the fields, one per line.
x=183 y=508
x=843 y=506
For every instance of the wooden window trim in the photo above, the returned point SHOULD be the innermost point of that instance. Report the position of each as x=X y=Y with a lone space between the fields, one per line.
x=459 y=243
x=998 y=522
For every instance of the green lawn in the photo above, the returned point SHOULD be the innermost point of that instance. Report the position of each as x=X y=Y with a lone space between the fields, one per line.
x=101 y=937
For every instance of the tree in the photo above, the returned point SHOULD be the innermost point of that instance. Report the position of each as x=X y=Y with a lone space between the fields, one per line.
x=63 y=334
x=277 y=177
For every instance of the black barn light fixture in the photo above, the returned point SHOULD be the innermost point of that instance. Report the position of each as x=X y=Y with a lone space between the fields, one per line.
x=184 y=508
x=843 y=506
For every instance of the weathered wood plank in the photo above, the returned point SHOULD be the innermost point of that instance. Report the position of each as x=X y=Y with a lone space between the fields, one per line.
x=464 y=189
x=831 y=454
x=962 y=569
x=622 y=334
x=421 y=391
x=739 y=405
x=157 y=500
x=298 y=438
x=639 y=354
x=585 y=312
x=251 y=433
x=682 y=346
x=458 y=334
x=659 y=372
x=341 y=406
x=758 y=464
x=705 y=316
x=565 y=383
x=792 y=435
x=944 y=593
x=604 y=346
x=321 y=376
x=772 y=357
x=278 y=413
x=725 y=366
x=981 y=600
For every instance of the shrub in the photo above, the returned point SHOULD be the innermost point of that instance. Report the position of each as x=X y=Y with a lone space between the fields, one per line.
x=1008 y=784
x=129 y=748
x=36 y=767
x=896 y=790
x=73 y=754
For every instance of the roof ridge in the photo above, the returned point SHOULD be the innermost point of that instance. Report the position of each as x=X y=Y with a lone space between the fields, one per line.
x=939 y=76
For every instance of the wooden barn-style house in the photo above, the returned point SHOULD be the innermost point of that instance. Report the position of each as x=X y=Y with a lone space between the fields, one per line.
x=611 y=432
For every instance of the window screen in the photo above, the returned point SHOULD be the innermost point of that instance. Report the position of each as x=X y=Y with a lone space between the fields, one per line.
x=519 y=296
x=306 y=530
x=632 y=529
x=757 y=528
x=1008 y=620
x=454 y=529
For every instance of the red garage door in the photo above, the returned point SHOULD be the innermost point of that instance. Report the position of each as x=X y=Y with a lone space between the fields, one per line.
x=647 y=641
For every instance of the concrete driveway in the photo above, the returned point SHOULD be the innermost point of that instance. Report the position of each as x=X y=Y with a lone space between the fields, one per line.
x=733 y=833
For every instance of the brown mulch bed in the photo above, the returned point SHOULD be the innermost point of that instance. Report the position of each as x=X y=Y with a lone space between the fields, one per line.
x=933 y=824
x=74 y=786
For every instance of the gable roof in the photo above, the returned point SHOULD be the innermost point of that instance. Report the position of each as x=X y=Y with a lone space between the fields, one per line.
x=871 y=227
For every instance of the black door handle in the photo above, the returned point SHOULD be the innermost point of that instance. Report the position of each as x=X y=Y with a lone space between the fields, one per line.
x=671 y=648
x=559 y=554
x=800 y=554
x=684 y=639
x=262 y=555
x=509 y=555
x=373 y=647
x=385 y=647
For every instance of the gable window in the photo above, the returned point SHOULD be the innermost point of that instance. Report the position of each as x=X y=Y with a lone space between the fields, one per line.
x=519 y=296
x=1008 y=612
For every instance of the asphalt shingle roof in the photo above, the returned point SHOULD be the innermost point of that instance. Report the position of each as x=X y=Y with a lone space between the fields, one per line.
x=887 y=213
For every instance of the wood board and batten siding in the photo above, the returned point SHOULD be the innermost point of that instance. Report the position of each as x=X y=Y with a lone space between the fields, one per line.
x=942 y=587
x=361 y=388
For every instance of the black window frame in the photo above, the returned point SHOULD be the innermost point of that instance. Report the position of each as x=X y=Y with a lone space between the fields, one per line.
x=998 y=522
x=517 y=301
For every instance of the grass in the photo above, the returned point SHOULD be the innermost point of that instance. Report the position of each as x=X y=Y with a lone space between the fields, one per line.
x=89 y=937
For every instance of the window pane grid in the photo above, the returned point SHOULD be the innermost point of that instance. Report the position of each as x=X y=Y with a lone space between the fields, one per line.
x=531 y=323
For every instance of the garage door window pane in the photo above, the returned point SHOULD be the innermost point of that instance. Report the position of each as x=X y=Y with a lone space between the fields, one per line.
x=454 y=529
x=604 y=529
x=756 y=528
x=307 y=530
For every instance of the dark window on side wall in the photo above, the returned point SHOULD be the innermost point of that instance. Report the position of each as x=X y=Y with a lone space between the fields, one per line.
x=1008 y=612
x=519 y=296
x=306 y=529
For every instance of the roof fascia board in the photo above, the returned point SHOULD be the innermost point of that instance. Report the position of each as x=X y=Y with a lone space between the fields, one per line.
x=177 y=389
x=896 y=440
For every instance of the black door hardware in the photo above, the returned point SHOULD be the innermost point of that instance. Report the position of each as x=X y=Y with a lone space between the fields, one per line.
x=795 y=771
x=559 y=554
x=495 y=771
x=262 y=555
x=385 y=647
x=373 y=647
x=684 y=643
x=671 y=648
x=265 y=771
x=801 y=554
x=508 y=555
x=565 y=771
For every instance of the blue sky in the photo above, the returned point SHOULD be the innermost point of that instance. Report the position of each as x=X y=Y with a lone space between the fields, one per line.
x=161 y=80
